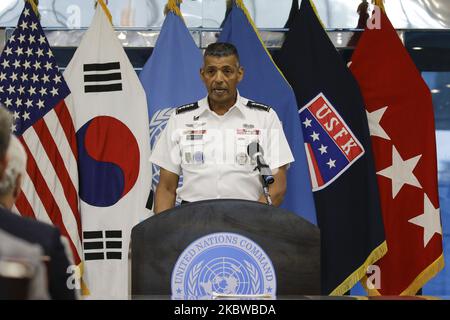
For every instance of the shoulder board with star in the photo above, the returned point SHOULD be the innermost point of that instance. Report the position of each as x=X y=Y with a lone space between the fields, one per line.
x=257 y=105
x=186 y=108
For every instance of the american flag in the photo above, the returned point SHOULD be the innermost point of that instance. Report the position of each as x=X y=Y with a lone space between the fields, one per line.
x=33 y=90
x=331 y=147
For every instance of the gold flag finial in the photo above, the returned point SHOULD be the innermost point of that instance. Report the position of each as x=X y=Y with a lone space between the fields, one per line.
x=174 y=6
x=105 y=9
x=34 y=4
x=380 y=4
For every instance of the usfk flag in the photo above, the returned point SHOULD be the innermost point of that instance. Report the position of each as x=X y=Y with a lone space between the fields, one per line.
x=109 y=109
x=337 y=142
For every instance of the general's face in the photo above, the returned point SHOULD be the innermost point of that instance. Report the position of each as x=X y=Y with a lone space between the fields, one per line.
x=221 y=76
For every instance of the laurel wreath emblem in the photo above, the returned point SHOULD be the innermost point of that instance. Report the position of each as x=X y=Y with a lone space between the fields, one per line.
x=253 y=272
x=158 y=123
x=193 y=277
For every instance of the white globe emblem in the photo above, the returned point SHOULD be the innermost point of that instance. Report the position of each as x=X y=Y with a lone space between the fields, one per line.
x=223 y=263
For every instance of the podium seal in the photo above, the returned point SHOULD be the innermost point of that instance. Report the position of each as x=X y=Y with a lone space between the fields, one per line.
x=223 y=264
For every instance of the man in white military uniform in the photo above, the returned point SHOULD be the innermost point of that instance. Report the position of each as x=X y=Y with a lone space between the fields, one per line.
x=207 y=141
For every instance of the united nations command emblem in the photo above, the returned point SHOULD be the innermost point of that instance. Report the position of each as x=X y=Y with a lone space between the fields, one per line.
x=222 y=263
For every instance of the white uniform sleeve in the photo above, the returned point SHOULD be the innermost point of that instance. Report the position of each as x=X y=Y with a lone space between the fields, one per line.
x=166 y=153
x=279 y=151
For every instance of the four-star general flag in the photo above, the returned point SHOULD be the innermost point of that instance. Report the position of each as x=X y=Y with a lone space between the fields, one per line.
x=264 y=83
x=171 y=76
x=109 y=109
x=336 y=133
x=33 y=90
x=400 y=113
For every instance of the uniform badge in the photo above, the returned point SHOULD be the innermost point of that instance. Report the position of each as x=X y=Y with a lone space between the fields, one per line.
x=188 y=157
x=241 y=158
x=199 y=157
x=248 y=126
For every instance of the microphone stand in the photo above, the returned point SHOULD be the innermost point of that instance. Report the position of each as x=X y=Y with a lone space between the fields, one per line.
x=266 y=191
x=255 y=151
x=265 y=179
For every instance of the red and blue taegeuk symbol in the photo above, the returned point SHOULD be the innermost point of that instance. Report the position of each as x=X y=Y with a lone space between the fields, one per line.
x=108 y=161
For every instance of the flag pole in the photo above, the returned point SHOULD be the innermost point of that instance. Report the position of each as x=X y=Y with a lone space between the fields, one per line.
x=380 y=4
x=105 y=8
x=317 y=14
x=34 y=5
x=240 y=5
x=173 y=6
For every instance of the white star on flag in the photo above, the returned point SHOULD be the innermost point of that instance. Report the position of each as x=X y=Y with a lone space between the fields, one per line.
x=401 y=172
x=307 y=123
x=374 y=119
x=26 y=115
x=40 y=52
x=40 y=104
x=57 y=79
x=331 y=163
x=24 y=25
x=8 y=102
x=19 y=51
x=11 y=90
x=315 y=136
x=323 y=149
x=429 y=220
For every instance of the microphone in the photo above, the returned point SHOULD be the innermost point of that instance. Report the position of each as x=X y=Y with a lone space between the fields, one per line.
x=256 y=153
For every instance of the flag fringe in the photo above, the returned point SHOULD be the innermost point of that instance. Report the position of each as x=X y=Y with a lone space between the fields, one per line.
x=240 y=5
x=173 y=6
x=417 y=283
x=84 y=289
x=380 y=4
x=425 y=276
x=356 y=276
x=105 y=9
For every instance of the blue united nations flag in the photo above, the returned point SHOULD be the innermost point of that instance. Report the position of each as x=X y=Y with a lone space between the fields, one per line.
x=171 y=76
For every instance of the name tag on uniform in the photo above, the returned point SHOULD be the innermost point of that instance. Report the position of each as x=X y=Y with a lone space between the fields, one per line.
x=244 y=131
x=194 y=132
x=195 y=124
x=194 y=137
